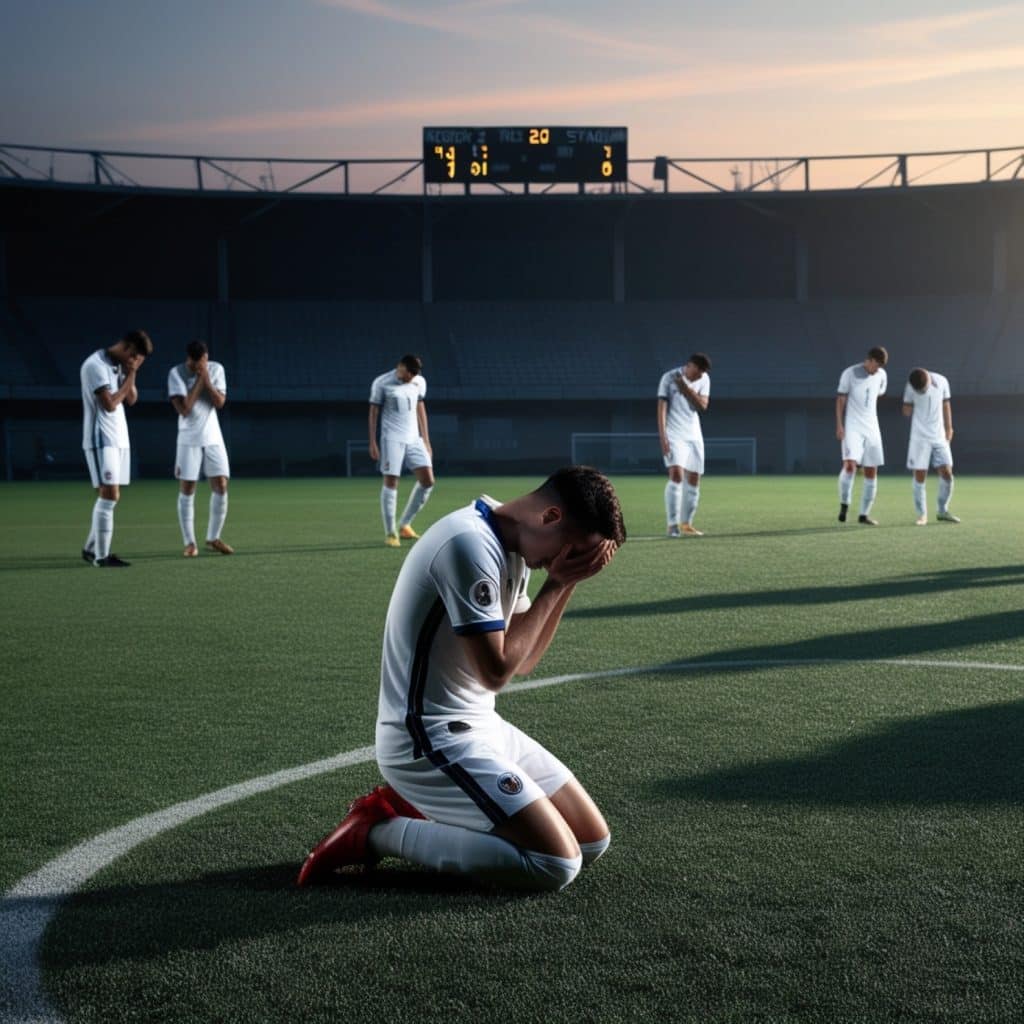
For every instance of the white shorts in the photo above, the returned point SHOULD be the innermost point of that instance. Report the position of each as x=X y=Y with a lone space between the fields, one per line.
x=394 y=455
x=480 y=779
x=109 y=466
x=688 y=454
x=929 y=454
x=191 y=458
x=864 y=449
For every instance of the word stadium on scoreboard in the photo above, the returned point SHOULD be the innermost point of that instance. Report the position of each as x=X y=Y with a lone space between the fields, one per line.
x=523 y=155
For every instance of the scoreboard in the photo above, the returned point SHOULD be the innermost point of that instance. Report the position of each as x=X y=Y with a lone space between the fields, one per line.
x=541 y=154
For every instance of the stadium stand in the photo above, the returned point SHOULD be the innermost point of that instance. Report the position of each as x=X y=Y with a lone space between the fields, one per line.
x=534 y=322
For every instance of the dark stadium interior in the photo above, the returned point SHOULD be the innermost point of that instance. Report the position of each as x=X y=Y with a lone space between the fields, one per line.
x=536 y=316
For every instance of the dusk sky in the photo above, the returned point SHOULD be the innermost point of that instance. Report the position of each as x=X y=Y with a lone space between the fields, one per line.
x=359 y=78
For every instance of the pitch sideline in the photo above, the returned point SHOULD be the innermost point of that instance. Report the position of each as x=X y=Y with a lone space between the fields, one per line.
x=29 y=906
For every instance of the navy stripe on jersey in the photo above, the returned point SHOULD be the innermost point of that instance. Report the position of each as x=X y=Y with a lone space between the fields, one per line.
x=418 y=681
x=469 y=786
x=486 y=513
x=480 y=627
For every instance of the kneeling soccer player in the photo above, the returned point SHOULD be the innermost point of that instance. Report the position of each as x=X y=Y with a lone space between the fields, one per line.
x=467 y=791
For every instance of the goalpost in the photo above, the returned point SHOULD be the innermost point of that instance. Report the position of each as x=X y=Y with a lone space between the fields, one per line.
x=641 y=453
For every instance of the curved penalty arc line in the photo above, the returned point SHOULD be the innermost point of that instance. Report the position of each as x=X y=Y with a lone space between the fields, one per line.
x=28 y=907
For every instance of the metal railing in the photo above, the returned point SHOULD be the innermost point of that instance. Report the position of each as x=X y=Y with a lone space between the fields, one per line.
x=286 y=175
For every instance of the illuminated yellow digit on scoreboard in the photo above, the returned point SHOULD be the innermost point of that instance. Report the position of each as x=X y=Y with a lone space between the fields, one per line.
x=540 y=136
x=478 y=168
x=606 y=164
x=448 y=156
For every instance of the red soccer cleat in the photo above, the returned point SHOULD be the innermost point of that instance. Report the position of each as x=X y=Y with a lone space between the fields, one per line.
x=347 y=844
x=401 y=806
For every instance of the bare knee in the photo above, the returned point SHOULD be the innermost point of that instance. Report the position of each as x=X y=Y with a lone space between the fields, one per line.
x=675 y=474
x=542 y=829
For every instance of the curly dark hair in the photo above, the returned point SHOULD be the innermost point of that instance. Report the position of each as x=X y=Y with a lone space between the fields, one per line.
x=196 y=350
x=412 y=363
x=589 y=500
x=701 y=361
x=918 y=378
x=139 y=342
x=879 y=355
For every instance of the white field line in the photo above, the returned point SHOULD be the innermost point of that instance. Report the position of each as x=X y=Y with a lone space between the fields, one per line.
x=28 y=907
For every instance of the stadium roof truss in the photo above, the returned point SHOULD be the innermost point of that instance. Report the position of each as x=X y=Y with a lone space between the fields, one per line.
x=106 y=169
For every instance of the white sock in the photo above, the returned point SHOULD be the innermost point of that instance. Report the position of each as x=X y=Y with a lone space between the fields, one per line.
x=920 y=497
x=867 y=495
x=461 y=851
x=673 y=502
x=416 y=501
x=218 y=513
x=945 y=493
x=103 y=525
x=187 y=518
x=90 y=541
x=591 y=851
x=691 y=496
x=388 y=504
x=846 y=487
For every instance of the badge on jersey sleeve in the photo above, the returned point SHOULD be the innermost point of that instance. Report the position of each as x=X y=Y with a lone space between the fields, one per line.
x=484 y=593
x=509 y=784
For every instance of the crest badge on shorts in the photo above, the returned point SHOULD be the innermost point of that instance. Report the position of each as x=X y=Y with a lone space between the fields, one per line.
x=484 y=593
x=510 y=784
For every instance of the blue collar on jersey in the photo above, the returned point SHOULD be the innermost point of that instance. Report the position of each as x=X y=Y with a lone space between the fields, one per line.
x=486 y=513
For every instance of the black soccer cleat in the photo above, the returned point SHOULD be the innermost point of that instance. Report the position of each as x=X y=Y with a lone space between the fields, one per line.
x=867 y=521
x=842 y=513
x=111 y=562
x=88 y=556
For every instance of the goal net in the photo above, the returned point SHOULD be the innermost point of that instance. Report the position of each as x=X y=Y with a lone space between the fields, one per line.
x=641 y=453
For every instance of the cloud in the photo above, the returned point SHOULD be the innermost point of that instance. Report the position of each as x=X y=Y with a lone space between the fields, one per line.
x=450 y=20
x=563 y=103
x=914 y=30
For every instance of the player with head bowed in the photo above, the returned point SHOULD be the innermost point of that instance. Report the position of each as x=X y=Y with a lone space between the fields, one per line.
x=467 y=791
x=197 y=389
x=857 y=430
x=397 y=403
x=108 y=385
x=926 y=400
x=683 y=394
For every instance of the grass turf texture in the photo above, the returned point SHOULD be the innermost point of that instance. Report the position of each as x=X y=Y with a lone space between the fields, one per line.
x=791 y=843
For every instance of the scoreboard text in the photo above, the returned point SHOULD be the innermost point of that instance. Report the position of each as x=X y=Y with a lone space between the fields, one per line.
x=523 y=155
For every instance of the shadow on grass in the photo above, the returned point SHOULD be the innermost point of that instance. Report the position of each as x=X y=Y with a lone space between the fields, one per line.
x=152 y=921
x=947 y=580
x=971 y=756
x=65 y=561
x=893 y=642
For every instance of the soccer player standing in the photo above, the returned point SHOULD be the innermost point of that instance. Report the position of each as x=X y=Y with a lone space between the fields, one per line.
x=467 y=791
x=108 y=384
x=926 y=400
x=683 y=394
x=197 y=389
x=397 y=403
x=858 y=432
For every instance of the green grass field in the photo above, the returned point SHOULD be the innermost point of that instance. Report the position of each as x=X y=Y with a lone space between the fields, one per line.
x=817 y=816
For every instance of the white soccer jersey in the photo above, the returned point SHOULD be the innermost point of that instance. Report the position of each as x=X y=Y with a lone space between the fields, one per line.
x=682 y=420
x=398 y=402
x=862 y=390
x=457 y=580
x=102 y=429
x=926 y=423
x=201 y=427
